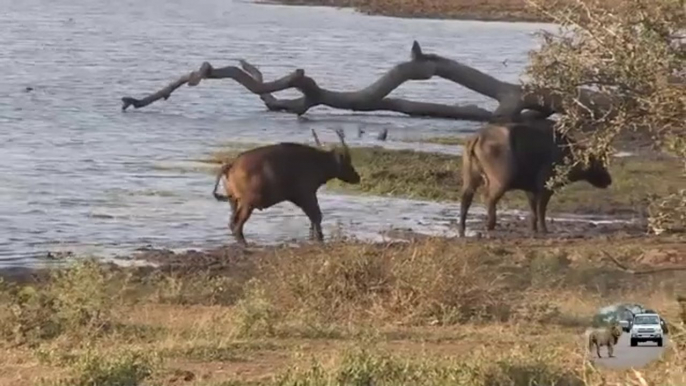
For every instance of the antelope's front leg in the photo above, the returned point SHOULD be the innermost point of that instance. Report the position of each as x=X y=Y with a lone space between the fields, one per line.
x=310 y=205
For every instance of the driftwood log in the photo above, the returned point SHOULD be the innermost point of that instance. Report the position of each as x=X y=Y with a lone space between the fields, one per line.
x=514 y=103
x=646 y=271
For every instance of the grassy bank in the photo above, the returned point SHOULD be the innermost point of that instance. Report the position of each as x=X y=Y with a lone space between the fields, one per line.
x=446 y=140
x=429 y=176
x=486 y=10
x=428 y=313
x=498 y=10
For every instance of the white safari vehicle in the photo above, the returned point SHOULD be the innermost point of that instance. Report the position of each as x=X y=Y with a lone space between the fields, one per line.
x=646 y=327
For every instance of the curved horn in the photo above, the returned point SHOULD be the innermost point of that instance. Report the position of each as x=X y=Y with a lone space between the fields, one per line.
x=341 y=137
x=316 y=138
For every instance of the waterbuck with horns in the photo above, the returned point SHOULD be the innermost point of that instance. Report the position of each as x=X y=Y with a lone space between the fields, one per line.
x=265 y=176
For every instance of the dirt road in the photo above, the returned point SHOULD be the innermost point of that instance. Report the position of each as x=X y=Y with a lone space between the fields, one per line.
x=626 y=356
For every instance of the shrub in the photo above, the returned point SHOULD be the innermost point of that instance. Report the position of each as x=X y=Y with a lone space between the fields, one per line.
x=76 y=299
x=632 y=54
x=254 y=314
x=114 y=369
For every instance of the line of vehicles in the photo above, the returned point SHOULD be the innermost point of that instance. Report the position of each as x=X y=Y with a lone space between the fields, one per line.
x=644 y=325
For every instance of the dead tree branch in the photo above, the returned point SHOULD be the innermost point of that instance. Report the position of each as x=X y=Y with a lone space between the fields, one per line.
x=626 y=269
x=312 y=98
x=422 y=66
x=207 y=72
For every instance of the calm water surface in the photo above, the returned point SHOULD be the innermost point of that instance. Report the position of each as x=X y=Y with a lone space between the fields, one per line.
x=78 y=174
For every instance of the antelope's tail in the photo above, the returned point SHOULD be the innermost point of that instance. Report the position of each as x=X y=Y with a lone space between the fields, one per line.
x=222 y=172
x=469 y=161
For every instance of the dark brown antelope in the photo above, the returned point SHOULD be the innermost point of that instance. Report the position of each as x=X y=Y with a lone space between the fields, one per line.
x=520 y=156
x=265 y=176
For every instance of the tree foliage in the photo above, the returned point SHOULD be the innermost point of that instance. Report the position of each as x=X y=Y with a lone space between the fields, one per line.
x=632 y=53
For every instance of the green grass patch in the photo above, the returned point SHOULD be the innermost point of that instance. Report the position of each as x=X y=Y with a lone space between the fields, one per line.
x=499 y=10
x=448 y=140
x=404 y=173
x=434 y=176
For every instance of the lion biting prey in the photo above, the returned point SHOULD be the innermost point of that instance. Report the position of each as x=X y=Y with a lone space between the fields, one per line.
x=608 y=336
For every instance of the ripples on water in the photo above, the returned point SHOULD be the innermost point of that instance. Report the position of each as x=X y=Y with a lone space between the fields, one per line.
x=78 y=174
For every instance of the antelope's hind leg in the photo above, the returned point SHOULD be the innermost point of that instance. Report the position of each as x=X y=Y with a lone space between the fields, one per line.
x=234 y=213
x=496 y=191
x=240 y=215
x=465 y=204
x=532 y=198
x=543 y=201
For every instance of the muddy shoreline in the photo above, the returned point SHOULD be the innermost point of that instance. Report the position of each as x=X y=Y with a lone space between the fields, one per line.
x=578 y=218
x=230 y=256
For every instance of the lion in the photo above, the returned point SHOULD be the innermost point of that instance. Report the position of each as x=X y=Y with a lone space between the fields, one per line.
x=608 y=336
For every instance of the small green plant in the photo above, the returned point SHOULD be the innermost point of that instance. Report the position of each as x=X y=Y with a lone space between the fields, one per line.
x=81 y=295
x=198 y=288
x=254 y=315
x=29 y=315
x=117 y=369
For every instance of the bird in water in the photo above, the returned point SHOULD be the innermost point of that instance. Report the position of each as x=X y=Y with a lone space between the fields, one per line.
x=382 y=135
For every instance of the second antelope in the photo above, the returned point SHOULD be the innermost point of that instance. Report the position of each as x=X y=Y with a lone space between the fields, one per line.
x=520 y=156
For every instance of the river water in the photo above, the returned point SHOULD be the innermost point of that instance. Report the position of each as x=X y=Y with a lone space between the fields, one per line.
x=78 y=174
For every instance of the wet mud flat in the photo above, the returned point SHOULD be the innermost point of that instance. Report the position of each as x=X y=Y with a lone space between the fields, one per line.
x=510 y=232
x=231 y=256
x=223 y=252
x=627 y=240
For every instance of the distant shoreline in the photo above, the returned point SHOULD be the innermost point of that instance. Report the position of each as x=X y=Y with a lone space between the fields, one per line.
x=505 y=10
